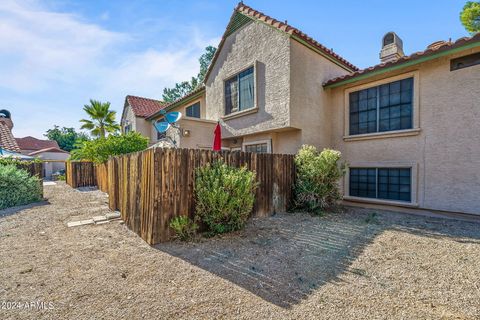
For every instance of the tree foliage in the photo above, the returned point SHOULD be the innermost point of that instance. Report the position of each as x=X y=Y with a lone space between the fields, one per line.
x=102 y=119
x=316 y=188
x=66 y=138
x=470 y=16
x=183 y=88
x=100 y=149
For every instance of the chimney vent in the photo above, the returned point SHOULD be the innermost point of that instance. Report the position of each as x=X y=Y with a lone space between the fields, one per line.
x=392 y=47
x=6 y=118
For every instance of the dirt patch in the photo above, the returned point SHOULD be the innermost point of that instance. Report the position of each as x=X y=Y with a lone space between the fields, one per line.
x=359 y=264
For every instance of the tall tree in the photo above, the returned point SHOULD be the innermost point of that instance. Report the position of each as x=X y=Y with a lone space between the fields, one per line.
x=183 y=88
x=470 y=16
x=102 y=119
x=65 y=137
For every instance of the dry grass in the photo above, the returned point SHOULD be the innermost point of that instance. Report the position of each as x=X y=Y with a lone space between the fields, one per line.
x=351 y=265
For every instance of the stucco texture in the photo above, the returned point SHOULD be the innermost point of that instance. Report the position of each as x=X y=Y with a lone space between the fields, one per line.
x=267 y=49
x=445 y=150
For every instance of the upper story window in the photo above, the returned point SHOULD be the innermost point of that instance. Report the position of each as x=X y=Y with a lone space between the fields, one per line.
x=382 y=108
x=127 y=128
x=465 y=61
x=240 y=91
x=193 y=111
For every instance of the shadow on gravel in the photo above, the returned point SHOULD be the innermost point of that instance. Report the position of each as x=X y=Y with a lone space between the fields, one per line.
x=284 y=258
x=10 y=211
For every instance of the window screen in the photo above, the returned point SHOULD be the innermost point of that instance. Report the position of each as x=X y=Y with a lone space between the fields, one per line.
x=240 y=92
x=258 y=148
x=383 y=108
x=381 y=183
x=193 y=111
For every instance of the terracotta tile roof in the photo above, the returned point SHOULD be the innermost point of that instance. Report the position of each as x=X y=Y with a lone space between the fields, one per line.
x=52 y=149
x=144 y=107
x=32 y=143
x=433 y=49
x=284 y=27
x=178 y=101
x=7 y=141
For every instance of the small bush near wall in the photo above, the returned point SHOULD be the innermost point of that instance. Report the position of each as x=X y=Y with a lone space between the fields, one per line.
x=184 y=228
x=316 y=188
x=224 y=196
x=17 y=187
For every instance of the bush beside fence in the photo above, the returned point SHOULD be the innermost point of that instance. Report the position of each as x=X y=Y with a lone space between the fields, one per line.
x=153 y=186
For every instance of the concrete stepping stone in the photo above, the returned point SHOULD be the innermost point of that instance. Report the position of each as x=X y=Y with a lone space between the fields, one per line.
x=113 y=215
x=80 y=223
x=98 y=219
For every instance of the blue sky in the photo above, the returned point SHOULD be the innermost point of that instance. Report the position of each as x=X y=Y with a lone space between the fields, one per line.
x=57 y=54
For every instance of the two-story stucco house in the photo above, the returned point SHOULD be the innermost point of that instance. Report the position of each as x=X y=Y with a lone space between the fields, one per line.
x=408 y=127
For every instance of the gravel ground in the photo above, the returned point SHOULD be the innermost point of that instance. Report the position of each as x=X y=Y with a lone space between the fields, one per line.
x=361 y=264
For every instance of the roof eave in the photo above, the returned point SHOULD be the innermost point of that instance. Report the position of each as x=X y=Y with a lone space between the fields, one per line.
x=177 y=103
x=405 y=64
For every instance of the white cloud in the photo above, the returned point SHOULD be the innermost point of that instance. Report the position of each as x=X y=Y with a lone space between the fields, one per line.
x=56 y=61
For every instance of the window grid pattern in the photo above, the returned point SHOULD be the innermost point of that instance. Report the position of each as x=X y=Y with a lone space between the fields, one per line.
x=383 y=108
x=193 y=111
x=381 y=183
x=258 y=148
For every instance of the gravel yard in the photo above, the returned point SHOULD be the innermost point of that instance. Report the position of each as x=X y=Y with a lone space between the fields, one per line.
x=355 y=265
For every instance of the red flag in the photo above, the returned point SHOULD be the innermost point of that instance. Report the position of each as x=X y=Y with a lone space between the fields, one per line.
x=217 y=138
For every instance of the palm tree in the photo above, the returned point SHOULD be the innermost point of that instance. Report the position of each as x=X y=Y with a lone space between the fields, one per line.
x=102 y=119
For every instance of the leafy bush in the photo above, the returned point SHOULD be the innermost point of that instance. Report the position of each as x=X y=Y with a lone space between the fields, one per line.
x=316 y=188
x=225 y=196
x=15 y=161
x=184 y=227
x=17 y=187
x=100 y=149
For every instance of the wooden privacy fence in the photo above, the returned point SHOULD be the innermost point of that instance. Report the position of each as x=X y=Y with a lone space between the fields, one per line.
x=151 y=187
x=80 y=174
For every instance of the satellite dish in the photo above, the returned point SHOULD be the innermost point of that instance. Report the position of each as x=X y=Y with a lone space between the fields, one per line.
x=173 y=117
x=161 y=126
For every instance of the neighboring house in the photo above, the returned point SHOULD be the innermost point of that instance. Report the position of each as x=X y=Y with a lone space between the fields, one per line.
x=7 y=141
x=53 y=160
x=47 y=150
x=135 y=110
x=408 y=127
x=31 y=144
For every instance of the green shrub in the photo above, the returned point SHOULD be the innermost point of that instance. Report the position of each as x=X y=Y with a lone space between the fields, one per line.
x=316 y=188
x=17 y=187
x=15 y=161
x=184 y=227
x=225 y=196
x=99 y=150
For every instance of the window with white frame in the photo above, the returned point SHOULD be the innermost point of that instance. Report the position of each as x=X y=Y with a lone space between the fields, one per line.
x=240 y=92
x=386 y=107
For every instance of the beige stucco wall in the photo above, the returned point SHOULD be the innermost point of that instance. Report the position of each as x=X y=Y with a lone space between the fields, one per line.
x=200 y=130
x=308 y=101
x=267 y=49
x=50 y=167
x=138 y=124
x=445 y=153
